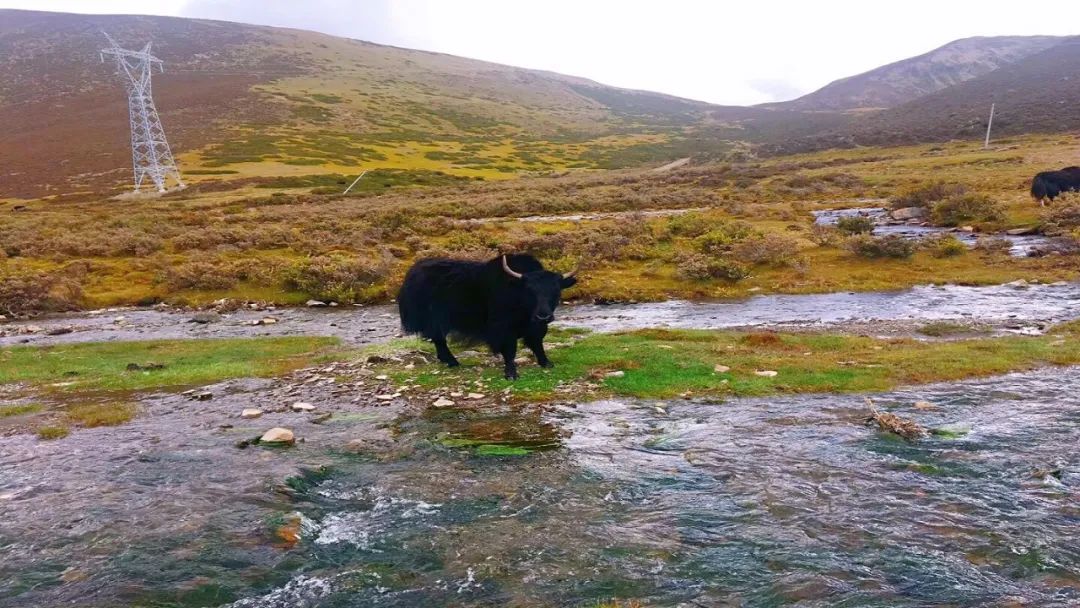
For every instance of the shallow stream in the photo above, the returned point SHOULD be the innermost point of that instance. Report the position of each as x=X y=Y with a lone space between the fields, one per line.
x=754 y=502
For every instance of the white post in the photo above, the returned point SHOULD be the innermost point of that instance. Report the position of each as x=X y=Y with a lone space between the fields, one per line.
x=354 y=182
x=989 y=124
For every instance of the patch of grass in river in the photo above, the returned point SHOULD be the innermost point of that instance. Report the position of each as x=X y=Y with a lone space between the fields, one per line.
x=659 y=363
x=104 y=366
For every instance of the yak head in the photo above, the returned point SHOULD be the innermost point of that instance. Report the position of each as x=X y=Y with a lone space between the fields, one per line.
x=541 y=289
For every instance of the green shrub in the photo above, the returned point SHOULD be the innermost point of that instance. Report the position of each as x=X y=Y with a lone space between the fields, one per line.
x=855 y=224
x=946 y=246
x=688 y=225
x=723 y=237
x=701 y=267
x=966 y=209
x=890 y=246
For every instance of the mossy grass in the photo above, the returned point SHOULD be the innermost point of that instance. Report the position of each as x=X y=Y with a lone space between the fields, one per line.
x=18 y=409
x=661 y=363
x=104 y=366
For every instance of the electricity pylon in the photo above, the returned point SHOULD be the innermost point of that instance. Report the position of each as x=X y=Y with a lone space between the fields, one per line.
x=150 y=152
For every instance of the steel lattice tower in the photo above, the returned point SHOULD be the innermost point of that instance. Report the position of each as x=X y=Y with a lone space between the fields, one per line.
x=150 y=152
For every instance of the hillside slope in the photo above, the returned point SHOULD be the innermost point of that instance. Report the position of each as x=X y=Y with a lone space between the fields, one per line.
x=906 y=80
x=269 y=101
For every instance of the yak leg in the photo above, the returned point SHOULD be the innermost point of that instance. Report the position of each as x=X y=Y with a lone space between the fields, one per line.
x=509 y=352
x=535 y=342
x=443 y=352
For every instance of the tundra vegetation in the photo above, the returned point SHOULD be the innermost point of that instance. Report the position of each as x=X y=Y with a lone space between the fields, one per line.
x=716 y=229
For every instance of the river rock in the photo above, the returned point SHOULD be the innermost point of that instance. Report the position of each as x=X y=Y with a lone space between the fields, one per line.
x=1021 y=231
x=315 y=303
x=908 y=213
x=442 y=402
x=925 y=405
x=278 y=436
x=615 y=374
x=205 y=317
x=251 y=413
x=721 y=369
x=1021 y=284
x=475 y=396
x=967 y=229
x=32 y=329
x=766 y=373
x=300 y=406
x=59 y=331
x=202 y=396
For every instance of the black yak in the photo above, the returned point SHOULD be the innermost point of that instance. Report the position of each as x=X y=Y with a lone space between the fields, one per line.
x=1046 y=186
x=496 y=302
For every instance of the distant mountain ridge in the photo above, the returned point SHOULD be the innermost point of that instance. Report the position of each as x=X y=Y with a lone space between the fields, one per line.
x=906 y=80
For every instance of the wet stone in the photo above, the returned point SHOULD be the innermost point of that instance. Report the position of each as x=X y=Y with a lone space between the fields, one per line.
x=278 y=436
x=301 y=406
x=251 y=413
x=205 y=317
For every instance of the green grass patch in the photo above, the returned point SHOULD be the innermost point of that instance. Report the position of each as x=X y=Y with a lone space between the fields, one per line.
x=104 y=366
x=18 y=409
x=941 y=329
x=53 y=432
x=666 y=363
x=91 y=415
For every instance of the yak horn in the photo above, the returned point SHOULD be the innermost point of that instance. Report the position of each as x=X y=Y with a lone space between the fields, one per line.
x=570 y=275
x=510 y=271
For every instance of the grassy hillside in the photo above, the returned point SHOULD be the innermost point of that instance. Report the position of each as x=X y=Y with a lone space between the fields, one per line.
x=247 y=101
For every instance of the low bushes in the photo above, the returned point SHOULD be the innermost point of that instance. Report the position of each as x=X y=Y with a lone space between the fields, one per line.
x=770 y=249
x=945 y=246
x=341 y=278
x=24 y=290
x=927 y=194
x=891 y=246
x=855 y=224
x=966 y=209
x=700 y=267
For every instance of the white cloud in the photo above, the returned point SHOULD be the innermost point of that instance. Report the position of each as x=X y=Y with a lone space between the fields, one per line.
x=724 y=52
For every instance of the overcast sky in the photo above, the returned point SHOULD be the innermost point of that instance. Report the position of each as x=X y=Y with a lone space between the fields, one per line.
x=720 y=51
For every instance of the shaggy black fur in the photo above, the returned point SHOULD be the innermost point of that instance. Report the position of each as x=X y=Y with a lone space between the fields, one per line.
x=481 y=301
x=1046 y=186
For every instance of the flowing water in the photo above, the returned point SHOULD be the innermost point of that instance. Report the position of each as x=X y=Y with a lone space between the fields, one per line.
x=756 y=502
x=1022 y=245
x=1009 y=307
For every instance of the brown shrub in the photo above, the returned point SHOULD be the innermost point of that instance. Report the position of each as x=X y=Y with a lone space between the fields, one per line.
x=927 y=194
x=25 y=291
x=771 y=249
x=341 y=278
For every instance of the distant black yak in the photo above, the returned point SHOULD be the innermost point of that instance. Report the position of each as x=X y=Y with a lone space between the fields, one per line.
x=496 y=302
x=1046 y=186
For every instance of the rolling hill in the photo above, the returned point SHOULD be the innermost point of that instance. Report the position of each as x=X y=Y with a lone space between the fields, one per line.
x=248 y=105
x=249 y=101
